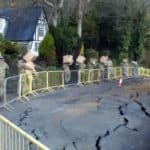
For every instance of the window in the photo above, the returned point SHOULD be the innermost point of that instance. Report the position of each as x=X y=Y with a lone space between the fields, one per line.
x=29 y=46
x=36 y=47
x=41 y=31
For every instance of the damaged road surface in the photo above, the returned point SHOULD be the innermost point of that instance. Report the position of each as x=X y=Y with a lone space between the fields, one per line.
x=91 y=117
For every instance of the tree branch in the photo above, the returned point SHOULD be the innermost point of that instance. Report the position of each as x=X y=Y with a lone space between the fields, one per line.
x=49 y=3
x=61 y=3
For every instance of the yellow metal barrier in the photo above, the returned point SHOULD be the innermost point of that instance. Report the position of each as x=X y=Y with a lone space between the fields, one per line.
x=55 y=79
x=146 y=72
x=32 y=83
x=129 y=71
x=84 y=76
x=94 y=75
x=110 y=73
x=39 y=81
x=25 y=84
x=13 y=138
x=88 y=76
x=117 y=72
x=141 y=71
x=149 y=72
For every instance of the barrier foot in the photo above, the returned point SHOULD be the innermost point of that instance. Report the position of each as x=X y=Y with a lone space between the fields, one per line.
x=63 y=86
x=50 y=90
x=8 y=107
x=80 y=85
x=26 y=98
x=45 y=90
x=35 y=93
x=20 y=99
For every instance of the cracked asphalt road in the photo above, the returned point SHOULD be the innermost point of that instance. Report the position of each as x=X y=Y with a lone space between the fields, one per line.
x=92 y=117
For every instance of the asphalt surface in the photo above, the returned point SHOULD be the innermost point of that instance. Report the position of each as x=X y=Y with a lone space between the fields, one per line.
x=90 y=117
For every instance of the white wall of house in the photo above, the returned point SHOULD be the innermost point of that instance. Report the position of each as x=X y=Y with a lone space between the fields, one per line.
x=41 y=31
x=3 y=26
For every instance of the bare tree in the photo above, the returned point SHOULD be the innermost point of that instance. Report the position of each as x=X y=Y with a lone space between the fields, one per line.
x=81 y=9
x=56 y=6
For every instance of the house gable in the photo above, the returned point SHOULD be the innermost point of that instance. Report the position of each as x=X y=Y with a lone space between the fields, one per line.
x=21 y=23
x=26 y=26
x=40 y=32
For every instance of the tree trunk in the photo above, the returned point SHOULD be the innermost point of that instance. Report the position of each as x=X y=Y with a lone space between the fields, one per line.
x=80 y=13
x=56 y=10
x=55 y=20
x=79 y=29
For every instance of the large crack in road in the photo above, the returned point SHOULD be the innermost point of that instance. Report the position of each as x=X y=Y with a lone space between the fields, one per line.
x=135 y=97
x=22 y=122
x=24 y=116
x=143 y=109
x=33 y=132
x=108 y=132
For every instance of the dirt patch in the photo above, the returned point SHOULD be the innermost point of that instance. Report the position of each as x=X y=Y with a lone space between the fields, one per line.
x=138 y=88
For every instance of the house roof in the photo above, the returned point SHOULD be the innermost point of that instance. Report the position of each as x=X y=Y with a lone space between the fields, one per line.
x=21 y=22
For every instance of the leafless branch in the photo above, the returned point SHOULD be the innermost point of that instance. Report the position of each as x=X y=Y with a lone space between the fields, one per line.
x=49 y=3
x=61 y=3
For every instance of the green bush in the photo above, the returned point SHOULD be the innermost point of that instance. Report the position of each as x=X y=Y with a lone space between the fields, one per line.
x=122 y=55
x=47 y=50
x=10 y=53
x=8 y=48
x=91 y=53
x=145 y=60
x=66 y=38
x=105 y=53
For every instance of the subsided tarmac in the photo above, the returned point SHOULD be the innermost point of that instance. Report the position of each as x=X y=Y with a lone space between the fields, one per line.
x=90 y=117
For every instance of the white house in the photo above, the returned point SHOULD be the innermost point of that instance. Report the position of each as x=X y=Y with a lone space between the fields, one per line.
x=27 y=26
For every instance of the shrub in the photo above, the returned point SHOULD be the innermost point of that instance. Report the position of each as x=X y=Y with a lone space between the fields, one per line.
x=145 y=60
x=105 y=53
x=10 y=53
x=66 y=38
x=8 y=48
x=122 y=55
x=91 y=53
x=47 y=50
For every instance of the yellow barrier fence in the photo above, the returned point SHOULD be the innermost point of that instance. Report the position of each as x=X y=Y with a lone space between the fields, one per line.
x=146 y=72
x=55 y=79
x=39 y=81
x=141 y=71
x=117 y=72
x=149 y=72
x=94 y=75
x=13 y=138
x=110 y=73
x=88 y=76
x=45 y=80
x=83 y=76
x=129 y=71
x=25 y=84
